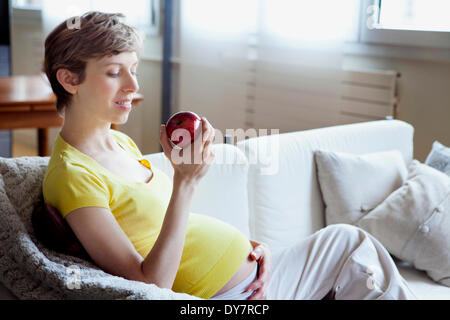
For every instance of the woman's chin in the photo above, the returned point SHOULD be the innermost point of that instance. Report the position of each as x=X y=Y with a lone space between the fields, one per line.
x=121 y=120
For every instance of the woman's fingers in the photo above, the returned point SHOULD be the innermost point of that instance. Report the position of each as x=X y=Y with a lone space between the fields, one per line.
x=164 y=140
x=258 y=283
x=259 y=294
x=204 y=129
x=208 y=155
x=208 y=134
x=262 y=255
x=208 y=130
x=259 y=289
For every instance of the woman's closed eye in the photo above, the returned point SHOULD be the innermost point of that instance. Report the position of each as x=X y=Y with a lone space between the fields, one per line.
x=115 y=75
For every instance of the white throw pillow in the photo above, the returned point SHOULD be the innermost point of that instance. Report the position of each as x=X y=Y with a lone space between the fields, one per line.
x=352 y=185
x=413 y=223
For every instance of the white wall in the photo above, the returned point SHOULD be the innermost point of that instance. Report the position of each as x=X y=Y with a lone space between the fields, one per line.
x=424 y=94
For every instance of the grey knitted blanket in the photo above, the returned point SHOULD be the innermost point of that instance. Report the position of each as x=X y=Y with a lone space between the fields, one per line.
x=30 y=270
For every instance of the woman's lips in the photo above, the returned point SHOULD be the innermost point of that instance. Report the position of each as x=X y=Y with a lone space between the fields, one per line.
x=124 y=105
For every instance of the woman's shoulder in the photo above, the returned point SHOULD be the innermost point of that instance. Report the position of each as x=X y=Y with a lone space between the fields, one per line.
x=67 y=183
x=66 y=158
x=63 y=167
x=70 y=178
x=66 y=161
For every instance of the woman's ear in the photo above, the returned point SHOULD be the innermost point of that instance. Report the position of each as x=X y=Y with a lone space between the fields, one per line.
x=68 y=80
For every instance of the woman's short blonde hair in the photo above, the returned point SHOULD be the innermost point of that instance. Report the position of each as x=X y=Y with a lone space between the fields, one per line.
x=93 y=35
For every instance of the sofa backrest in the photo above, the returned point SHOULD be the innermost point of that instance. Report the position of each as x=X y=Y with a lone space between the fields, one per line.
x=222 y=192
x=285 y=202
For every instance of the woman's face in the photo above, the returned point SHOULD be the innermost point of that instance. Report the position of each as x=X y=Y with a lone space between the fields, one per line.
x=108 y=88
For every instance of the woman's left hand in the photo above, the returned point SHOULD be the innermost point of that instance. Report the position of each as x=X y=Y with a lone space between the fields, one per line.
x=261 y=253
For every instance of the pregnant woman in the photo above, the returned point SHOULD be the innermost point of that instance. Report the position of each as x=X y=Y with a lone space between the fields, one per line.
x=135 y=222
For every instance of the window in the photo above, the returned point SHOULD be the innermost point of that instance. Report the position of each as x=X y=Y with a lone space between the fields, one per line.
x=306 y=19
x=425 y=15
x=27 y=4
x=143 y=14
x=420 y=23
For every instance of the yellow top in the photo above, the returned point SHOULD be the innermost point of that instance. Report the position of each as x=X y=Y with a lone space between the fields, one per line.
x=213 y=250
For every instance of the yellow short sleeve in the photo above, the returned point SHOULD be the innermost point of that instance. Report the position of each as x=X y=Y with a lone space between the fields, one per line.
x=70 y=186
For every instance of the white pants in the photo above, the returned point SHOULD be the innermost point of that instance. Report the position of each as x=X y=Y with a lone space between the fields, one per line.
x=340 y=259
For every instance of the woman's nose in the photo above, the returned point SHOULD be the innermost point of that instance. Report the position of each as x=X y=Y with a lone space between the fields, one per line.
x=131 y=84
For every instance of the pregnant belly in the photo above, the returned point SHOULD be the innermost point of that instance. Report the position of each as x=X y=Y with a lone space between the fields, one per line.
x=243 y=272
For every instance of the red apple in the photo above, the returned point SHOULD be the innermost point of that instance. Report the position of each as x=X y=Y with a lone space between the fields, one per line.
x=189 y=124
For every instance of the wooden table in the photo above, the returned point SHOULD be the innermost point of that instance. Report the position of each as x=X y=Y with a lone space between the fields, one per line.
x=28 y=102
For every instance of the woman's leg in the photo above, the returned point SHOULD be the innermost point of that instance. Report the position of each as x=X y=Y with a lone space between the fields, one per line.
x=341 y=261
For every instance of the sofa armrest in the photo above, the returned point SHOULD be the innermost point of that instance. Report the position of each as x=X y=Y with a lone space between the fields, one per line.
x=222 y=193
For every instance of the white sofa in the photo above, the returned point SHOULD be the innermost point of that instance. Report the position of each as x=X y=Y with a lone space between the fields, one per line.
x=267 y=186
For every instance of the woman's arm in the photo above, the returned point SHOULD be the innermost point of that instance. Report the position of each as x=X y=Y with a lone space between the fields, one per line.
x=111 y=249
x=161 y=264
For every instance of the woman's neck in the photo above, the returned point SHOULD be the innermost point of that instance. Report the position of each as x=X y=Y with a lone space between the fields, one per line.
x=89 y=139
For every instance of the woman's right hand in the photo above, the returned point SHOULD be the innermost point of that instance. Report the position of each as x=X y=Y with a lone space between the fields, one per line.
x=191 y=163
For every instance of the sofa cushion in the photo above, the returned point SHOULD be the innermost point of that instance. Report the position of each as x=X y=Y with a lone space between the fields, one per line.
x=439 y=158
x=353 y=184
x=413 y=223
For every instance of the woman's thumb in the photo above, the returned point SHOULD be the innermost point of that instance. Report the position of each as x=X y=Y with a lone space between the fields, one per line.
x=163 y=136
